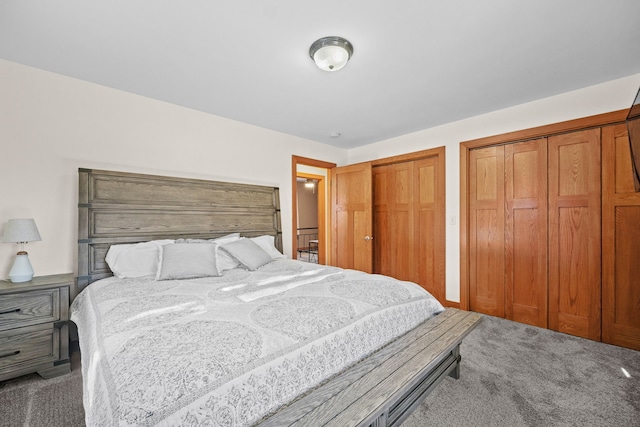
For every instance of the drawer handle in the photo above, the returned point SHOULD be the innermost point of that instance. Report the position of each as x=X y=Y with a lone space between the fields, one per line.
x=17 y=310
x=9 y=354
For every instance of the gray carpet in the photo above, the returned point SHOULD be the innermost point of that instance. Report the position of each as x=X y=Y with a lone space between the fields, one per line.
x=512 y=375
x=518 y=375
x=32 y=401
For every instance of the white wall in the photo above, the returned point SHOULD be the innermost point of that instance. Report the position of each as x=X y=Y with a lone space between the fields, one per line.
x=51 y=125
x=602 y=98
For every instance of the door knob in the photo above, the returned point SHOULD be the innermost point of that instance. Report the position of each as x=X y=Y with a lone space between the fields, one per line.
x=367 y=238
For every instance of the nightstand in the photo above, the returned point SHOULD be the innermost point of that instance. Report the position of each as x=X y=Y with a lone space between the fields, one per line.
x=34 y=329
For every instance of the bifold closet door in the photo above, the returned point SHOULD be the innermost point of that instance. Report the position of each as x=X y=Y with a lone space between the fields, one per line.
x=409 y=229
x=620 y=242
x=486 y=231
x=394 y=253
x=508 y=231
x=525 y=233
x=428 y=224
x=574 y=233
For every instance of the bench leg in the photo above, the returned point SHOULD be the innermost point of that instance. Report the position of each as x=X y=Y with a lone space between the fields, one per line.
x=455 y=373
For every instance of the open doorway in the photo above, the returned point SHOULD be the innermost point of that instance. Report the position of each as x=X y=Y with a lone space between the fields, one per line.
x=310 y=183
x=308 y=190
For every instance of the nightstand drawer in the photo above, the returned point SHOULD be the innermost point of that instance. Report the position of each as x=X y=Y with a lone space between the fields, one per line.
x=30 y=346
x=29 y=308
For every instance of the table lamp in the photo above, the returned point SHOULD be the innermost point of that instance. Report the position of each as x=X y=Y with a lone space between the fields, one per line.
x=21 y=230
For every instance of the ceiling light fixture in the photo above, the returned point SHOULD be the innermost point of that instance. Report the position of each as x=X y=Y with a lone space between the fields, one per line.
x=331 y=53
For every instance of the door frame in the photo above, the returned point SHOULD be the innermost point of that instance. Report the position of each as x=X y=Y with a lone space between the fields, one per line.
x=323 y=238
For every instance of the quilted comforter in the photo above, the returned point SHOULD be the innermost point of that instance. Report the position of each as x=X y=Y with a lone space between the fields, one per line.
x=230 y=350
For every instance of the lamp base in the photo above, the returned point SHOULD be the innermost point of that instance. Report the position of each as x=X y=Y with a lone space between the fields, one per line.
x=21 y=271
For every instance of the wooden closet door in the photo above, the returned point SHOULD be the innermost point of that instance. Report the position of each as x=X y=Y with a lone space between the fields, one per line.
x=486 y=231
x=409 y=220
x=351 y=219
x=574 y=233
x=395 y=253
x=382 y=262
x=620 y=242
x=526 y=232
x=428 y=220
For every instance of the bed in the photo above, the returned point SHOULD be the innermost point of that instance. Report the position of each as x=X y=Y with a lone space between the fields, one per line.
x=267 y=341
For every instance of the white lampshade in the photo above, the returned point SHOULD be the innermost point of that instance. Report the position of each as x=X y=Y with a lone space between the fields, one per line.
x=331 y=53
x=21 y=230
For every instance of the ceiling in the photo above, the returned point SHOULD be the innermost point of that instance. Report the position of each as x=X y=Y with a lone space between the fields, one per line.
x=416 y=63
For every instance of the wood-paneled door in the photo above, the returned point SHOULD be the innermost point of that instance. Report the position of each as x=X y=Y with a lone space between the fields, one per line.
x=393 y=221
x=351 y=217
x=429 y=224
x=526 y=232
x=593 y=235
x=574 y=233
x=508 y=231
x=408 y=199
x=486 y=231
x=620 y=242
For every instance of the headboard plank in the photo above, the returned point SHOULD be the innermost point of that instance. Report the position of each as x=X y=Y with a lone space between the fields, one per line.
x=109 y=188
x=120 y=207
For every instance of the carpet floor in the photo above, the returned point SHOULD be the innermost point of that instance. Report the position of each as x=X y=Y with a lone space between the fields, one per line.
x=512 y=375
x=32 y=401
x=518 y=375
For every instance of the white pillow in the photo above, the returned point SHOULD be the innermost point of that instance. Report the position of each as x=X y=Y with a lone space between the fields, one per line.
x=267 y=244
x=187 y=261
x=223 y=259
x=221 y=240
x=248 y=253
x=135 y=260
x=226 y=239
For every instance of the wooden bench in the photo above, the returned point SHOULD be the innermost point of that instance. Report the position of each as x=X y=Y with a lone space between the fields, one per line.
x=385 y=388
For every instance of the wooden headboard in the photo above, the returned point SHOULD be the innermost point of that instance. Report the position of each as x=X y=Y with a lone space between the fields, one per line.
x=119 y=207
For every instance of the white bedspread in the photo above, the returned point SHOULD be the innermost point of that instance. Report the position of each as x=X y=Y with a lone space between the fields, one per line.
x=230 y=350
